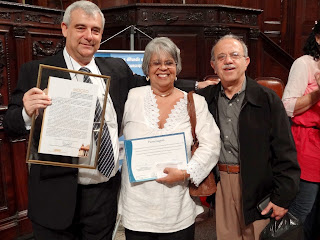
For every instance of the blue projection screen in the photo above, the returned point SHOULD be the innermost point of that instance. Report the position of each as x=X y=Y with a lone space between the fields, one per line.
x=132 y=58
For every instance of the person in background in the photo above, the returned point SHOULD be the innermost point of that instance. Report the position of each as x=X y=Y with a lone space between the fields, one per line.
x=301 y=100
x=258 y=155
x=163 y=209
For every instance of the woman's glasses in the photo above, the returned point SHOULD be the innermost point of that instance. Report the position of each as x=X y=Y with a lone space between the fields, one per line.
x=168 y=64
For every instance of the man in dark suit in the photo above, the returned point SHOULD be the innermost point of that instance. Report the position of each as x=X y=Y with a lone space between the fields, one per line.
x=70 y=203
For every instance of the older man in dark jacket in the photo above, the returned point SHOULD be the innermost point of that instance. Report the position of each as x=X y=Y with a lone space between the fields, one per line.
x=258 y=155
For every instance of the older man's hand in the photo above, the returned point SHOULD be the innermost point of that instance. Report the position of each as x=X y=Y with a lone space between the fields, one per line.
x=278 y=212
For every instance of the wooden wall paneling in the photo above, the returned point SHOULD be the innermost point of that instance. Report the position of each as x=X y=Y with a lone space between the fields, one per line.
x=187 y=43
x=8 y=223
x=21 y=184
x=273 y=68
x=308 y=13
x=274 y=61
x=253 y=36
x=4 y=65
x=206 y=67
x=272 y=19
x=288 y=37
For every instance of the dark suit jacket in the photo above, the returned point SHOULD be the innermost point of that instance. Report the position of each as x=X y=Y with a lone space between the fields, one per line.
x=52 y=190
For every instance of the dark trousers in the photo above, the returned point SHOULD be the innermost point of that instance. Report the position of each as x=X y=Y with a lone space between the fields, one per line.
x=95 y=216
x=185 y=234
x=304 y=205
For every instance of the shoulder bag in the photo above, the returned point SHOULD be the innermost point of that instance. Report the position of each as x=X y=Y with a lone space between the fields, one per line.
x=208 y=186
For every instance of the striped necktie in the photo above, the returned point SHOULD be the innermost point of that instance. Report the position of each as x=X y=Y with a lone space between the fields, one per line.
x=106 y=156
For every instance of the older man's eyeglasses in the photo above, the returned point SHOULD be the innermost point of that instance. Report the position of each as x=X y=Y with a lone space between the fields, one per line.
x=168 y=64
x=234 y=56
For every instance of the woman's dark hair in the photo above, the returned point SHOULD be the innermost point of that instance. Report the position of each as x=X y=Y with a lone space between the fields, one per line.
x=311 y=46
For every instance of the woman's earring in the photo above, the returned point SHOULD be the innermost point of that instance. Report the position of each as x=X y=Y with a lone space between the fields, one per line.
x=176 y=78
x=148 y=78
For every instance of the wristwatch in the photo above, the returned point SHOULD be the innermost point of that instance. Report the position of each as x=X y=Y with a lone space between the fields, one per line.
x=196 y=86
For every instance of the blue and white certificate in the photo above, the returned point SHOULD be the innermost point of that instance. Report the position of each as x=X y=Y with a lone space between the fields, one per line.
x=147 y=157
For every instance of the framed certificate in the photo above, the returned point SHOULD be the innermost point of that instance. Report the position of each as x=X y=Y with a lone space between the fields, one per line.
x=63 y=132
x=147 y=157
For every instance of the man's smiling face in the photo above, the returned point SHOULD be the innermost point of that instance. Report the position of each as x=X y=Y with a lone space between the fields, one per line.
x=83 y=35
x=229 y=62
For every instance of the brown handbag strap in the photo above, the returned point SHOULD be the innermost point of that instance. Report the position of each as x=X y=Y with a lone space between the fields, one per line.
x=192 y=115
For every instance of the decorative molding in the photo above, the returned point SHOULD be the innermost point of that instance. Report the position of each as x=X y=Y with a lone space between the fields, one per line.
x=211 y=16
x=216 y=31
x=254 y=33
x=164 y=16
x=118 y=18
x=144 y=16
x=1 y=117
x=57 y=20
x=2 y=66
x=8 y=65
x=45 y=48
x=19 y=31
x=32 y=18
x=236 y=18
x=5 y=15
x=195 y=17
x=18 y=18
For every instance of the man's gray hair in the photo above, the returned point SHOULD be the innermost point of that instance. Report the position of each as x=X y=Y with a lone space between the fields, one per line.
x=157 y=45
x=244 y=46
x=88 y=7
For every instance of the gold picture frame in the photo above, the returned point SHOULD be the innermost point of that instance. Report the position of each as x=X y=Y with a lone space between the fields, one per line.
x=33 y=156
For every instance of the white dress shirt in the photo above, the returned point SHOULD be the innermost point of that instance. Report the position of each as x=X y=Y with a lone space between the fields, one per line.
x=92 y=176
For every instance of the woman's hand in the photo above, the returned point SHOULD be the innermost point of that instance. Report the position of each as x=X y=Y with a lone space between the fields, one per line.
x=174 y=175
x=208 y=82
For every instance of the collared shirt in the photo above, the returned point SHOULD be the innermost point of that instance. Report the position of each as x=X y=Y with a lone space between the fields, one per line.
x=92 y=176
x=229 y=110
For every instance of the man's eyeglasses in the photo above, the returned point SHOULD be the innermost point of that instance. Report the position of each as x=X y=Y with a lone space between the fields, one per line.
x=234 y=56
x=158 y=64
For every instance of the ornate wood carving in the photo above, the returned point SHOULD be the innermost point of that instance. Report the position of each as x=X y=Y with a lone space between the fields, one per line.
x=156 y=16
x=2 y=65
x=19 y=31
x=18 y=18
x=254 y=33
x=5 y=15
x=238 y=18
x=45 y=48
x=216 y=31
x=195 y=16
x=1 y=127
x=32 y=18
x=211 y=14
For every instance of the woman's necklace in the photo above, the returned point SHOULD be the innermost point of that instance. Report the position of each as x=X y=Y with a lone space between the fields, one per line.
x=163 y=95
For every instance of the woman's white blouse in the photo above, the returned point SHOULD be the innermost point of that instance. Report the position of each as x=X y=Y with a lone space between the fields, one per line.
x=156 y=207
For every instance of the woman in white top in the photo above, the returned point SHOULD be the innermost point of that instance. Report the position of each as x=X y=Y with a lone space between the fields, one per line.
x=163 y=209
